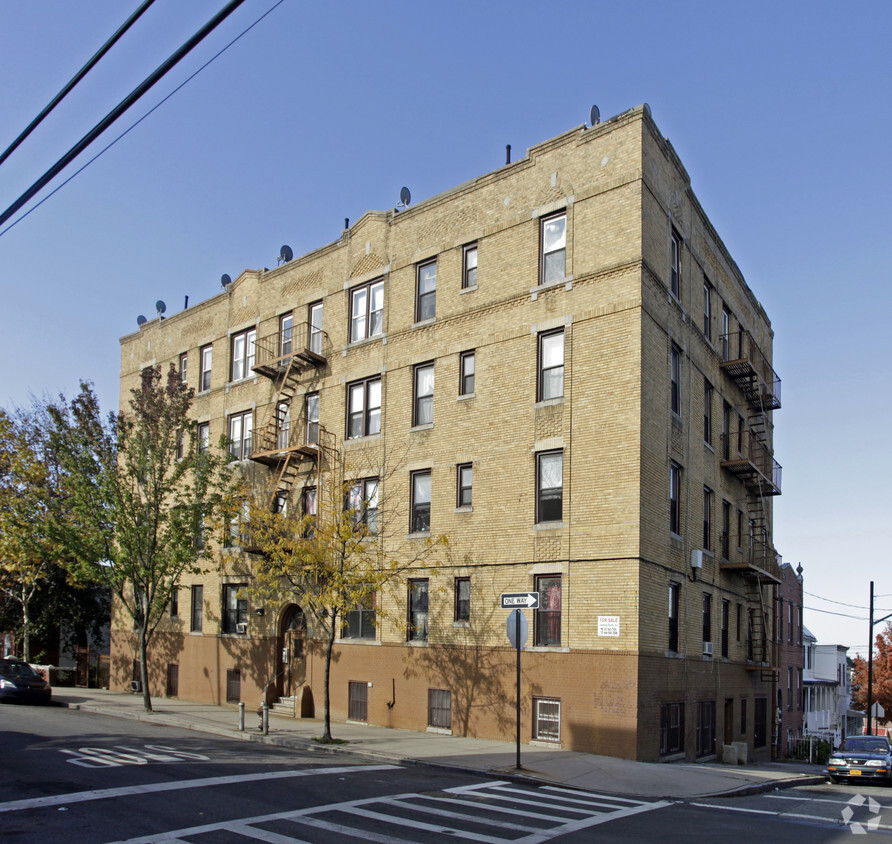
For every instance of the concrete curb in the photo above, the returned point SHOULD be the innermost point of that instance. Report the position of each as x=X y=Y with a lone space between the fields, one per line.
x=304 y=744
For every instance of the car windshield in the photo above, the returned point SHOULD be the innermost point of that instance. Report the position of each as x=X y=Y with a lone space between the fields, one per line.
x=866 y=745
x=16 y=669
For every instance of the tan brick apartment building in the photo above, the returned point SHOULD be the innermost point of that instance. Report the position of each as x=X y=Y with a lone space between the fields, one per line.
x=579 y=381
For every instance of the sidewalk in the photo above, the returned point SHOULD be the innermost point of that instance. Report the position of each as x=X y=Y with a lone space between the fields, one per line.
x=604 y=774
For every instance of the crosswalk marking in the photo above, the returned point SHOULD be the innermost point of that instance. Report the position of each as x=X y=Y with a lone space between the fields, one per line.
x=551 y=812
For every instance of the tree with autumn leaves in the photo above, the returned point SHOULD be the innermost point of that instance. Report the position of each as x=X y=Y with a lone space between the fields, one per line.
x=882 y=674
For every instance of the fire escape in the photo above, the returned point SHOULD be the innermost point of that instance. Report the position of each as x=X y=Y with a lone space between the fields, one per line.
x=286 y=439
x=748 y=455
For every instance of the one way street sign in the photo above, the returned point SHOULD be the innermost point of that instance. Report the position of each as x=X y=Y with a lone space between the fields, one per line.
x=528 y=600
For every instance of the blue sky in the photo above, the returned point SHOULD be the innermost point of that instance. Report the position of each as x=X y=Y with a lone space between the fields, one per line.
x=779 y=111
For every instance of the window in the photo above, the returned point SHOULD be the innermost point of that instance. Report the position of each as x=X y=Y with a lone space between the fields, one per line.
x=741 y=432
x=675 y=378
x=705 y=728
x=779 y=622
x=707 y=617
x=197 y=618
x=546 y=719
x=469 y=266
x=707 y=412
x=174 y=604
x=789 y=687
x=308 y=509
x=553 y=240
x=283 y=424
x=367 y=310
x=462 y=611
x=358 y=702
x=314 y=312
x=707 y=518
x=286 y=334
x=675 y=264
x=674 y=594
x=726 y=530
x=464 y=478
x=181 y=444
x=233 y=685
x=671 y=728
x=207 y=358
x=743 y=716
x=242 y=354
x=426 y=298
x=439 y=709
x=364 y=408
x=423 y=410
x=184 y=367
x=739 y=617
x=549 y=486
x=726 y=431
x=235 y=608
x=204 y=436
x=707 y=310
x=726 y=333
x=241 y=427
x=551 y=365
x=362 y=502
x=790 y=622
x=311 y=406
x=548 y=616
x=359 y=623
x=418 y=610
x=726 y=622
x=674 y=498
x=466 y=374
x=421 y=502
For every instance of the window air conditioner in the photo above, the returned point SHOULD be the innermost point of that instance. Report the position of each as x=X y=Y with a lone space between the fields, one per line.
x=707 y=649
x=135 y=686
x=241 y=627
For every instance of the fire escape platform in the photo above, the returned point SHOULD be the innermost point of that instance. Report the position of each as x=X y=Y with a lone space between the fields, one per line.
x=276 y=456
x=763 y=569
x=754 y=478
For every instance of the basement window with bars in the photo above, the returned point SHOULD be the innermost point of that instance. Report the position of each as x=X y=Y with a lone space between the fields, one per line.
x=233 y=685
x=358 y=704
x=546 y=719
x=439 y=709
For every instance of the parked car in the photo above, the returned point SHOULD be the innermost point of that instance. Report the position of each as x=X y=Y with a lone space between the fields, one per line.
x=862 y=758
x=20 y=682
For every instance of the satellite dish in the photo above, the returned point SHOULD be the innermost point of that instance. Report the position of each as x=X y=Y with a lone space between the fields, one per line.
x=285 y=254
x=225 y=280
x=595 y=115
x=160 y=307
x=405 y=197
x=141 y=320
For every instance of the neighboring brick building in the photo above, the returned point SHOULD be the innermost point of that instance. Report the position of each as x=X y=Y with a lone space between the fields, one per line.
x=599 y=429
x=791 y=658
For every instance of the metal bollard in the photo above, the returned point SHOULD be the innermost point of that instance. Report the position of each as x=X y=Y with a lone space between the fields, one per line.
x=265 y=717
x=241 y=716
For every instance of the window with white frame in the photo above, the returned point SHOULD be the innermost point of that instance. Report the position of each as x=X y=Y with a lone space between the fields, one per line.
x=204 y=437
x=707 y=309
x=675 y=264
x=726 y=333
x=553 y=248
x=423 y=410
x=184 y=367
x=364 y=408
x=283 y=424
x=546 y=719
x=549 y=486
x=367 y=310
x=469 y=266
x=241 y=426
x=426 y=296
x=311 y=407
x=207 y=358
x=466 y=373
x=551 y=365
x=362 y=504
x=286 y=334
x=308 y=509
x=314 y=320
x=242 y=354
x=421 y=502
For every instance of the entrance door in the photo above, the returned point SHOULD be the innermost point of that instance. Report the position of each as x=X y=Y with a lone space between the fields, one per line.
x=729 y=720
x=292 y=658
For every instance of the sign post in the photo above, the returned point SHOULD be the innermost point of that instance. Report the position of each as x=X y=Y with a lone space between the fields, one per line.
x=518 y=631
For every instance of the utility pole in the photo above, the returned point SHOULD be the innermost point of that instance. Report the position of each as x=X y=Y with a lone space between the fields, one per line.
x=870 y=665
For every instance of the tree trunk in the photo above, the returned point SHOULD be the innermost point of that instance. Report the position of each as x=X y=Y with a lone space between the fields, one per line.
x=144 y=668
x=326 y=697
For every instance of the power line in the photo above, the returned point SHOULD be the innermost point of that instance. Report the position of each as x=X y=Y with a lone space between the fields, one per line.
x=830 y=612
x=842 y=603
x=75 y=79
x=121 y=107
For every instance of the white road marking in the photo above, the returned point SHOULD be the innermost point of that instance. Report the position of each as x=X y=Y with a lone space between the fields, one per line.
x=180 y=785
x=781 y=814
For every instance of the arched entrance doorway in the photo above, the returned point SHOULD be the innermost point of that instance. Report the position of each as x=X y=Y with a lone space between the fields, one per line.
x=292 y=669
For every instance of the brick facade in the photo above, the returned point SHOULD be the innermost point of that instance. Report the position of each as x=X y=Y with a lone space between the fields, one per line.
x=621 y=195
